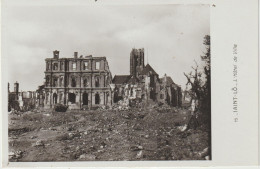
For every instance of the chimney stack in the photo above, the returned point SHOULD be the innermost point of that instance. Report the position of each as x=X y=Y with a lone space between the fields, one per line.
x=56 y=54
x=75 y=55
x=16 y=89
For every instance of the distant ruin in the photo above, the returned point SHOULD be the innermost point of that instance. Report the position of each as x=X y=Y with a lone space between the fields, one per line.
x=79 y=82
x=145 y=84
x=86 y=82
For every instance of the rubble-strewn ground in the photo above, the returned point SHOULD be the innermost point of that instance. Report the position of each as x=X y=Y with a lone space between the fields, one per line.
x=136 y=134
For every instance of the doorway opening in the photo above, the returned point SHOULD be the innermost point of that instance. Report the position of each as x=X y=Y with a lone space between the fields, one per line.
x=85 y=98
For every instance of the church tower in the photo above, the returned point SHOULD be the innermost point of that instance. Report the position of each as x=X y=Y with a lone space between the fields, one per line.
x=136 y=61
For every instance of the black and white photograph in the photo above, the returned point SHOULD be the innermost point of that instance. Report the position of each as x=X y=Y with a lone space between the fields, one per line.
x=108 y=82
x=129 y=83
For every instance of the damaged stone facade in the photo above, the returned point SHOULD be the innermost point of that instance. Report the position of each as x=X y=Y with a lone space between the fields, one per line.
x=169 y=93
x=79 y=82
x=21 y=100
x=144 y=83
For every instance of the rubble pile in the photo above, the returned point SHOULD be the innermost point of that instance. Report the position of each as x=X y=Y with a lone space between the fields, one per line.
x=164 y=108
x=121 y=105
x=119 y=133
x=15 y=155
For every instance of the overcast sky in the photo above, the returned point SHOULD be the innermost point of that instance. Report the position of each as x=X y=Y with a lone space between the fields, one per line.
x=172 y=36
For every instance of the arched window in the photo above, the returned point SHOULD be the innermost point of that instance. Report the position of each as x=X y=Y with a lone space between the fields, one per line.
x=85 y=82
x=97 y=98
x=73 y=81
x=97 y=81
x=85 y=66
x=55 y=66
x=55 y=82
x=54 y=98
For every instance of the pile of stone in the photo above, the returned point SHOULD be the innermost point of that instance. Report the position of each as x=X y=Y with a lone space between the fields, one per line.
x=121 y=105
x=102 y=108
x=164 y=108
x=15 y=154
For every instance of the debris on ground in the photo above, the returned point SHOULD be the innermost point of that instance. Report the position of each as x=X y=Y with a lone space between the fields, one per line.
x=139 y=154
x=15 y=155
x=142 y=131
x=39 y=143
x=87 y=157
x=183 y=128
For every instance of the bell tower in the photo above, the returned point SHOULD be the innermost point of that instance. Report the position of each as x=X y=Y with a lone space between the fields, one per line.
x=136 y=61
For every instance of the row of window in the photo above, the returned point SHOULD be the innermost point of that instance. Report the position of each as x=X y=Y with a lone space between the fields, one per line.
x=73 y=81
x=74 y=66
x=72 y=98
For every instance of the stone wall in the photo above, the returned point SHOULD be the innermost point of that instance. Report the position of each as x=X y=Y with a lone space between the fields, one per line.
x=77 y=82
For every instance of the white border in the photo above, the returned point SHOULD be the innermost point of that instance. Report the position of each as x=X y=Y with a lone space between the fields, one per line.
x=233 y=144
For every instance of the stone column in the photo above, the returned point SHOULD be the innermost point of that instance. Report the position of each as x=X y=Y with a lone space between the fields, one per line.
x=51 y=99
x=58 y=97
x=101 y=98
x=67 y=98
x=93 y=98
x=77 y=98
x=80 y=99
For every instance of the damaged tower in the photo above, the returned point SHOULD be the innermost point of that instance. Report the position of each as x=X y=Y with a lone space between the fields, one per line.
x=136 y=61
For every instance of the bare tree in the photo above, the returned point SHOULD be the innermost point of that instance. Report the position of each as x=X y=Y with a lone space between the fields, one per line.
x=201 y=90
x=200 y=86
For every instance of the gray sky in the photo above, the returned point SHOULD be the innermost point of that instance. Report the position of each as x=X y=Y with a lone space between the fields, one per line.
x=172 y=36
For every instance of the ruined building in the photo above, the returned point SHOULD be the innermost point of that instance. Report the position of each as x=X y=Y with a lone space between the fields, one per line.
x=169 y=92
x=79 y=82
x=144 y=83
x=21 y=100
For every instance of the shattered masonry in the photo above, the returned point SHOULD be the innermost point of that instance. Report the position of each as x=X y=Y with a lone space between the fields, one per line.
x=144 y=83
x=85 y=82
x=79 y=82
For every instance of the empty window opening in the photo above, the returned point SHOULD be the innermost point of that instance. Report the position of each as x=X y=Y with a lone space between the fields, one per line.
x=54 y=98
x=73 y=82
x=47 y=80
x=61 y=98
x=97 y=81
x=55 y=66
x=131 y=92
x=61 y=81
x=72 y=98
x=61 y=66
x=97 y=99
x=74 y=66
x=162 y=96
x=85 y=82
x=85 y=98
x=85 y=66
x=55 y=82
x=97 y=65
